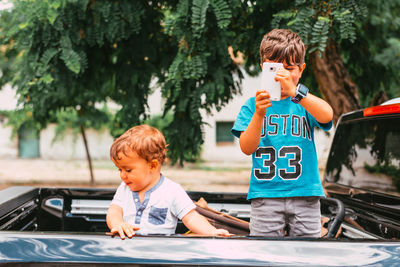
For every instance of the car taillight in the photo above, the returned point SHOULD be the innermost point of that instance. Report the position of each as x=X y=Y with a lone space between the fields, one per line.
x=380 y=110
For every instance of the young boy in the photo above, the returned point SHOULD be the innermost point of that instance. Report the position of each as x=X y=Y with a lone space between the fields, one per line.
x=146 y=202
x=285 y=185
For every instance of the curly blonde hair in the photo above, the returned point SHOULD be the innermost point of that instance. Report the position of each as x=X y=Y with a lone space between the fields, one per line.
x=282 y=45
x=148 y=142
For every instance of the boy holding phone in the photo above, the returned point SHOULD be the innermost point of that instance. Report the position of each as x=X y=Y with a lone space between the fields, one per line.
x=285 y=186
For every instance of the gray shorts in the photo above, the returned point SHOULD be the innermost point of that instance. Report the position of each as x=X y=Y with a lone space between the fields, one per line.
x=297 y=216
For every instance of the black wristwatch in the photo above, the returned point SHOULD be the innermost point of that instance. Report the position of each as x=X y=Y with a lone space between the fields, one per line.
x=301 y=92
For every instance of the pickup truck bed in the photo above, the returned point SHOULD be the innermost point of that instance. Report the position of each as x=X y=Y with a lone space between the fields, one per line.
x=66 y=225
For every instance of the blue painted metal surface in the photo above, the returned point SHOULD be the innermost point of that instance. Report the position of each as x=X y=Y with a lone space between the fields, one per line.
x=17 y=247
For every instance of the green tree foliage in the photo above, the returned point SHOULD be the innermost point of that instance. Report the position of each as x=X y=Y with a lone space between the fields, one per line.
x=318 y=21
x=201 y=76
x=79 y=53
x=72 y=55
x=374 y=57
x=8 y=53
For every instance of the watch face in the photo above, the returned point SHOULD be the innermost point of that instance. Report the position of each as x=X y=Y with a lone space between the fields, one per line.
x=301 y=89
x=301 y=92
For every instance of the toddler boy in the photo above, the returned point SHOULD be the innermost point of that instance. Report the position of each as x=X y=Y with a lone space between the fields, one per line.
x=146 y=202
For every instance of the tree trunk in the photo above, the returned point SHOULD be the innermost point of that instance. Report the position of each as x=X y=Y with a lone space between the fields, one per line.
x=89 y=159
x=334 y=81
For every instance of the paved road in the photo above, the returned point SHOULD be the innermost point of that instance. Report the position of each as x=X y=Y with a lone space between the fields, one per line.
x=216 y=177
x=213 y=177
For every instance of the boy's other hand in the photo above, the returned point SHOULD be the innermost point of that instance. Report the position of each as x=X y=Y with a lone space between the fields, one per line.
x=124 y=228
x=262 y=102
x=221 y=232
x=285 y=78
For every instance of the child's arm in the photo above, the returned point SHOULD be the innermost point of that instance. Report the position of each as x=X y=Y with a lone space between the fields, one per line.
x=198 y=224
x=250 y=138
x=117 y=224
x=317 y=107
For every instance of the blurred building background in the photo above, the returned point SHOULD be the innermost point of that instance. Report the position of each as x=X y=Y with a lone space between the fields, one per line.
x=219 y=144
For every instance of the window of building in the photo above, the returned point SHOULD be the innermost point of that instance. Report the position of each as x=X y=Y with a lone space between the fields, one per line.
x=224 y=135
x=28 y=142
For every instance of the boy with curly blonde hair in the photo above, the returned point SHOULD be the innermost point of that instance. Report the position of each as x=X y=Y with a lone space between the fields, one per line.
x=146 y=202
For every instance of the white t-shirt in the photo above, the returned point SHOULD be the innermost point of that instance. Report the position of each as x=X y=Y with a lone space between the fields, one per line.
x=163 y=205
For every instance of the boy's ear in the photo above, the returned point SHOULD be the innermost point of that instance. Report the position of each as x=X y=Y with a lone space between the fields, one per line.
x=302 y=67
x=154 y=164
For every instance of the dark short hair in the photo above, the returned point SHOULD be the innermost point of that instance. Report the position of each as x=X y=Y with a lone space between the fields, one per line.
x=282 y=45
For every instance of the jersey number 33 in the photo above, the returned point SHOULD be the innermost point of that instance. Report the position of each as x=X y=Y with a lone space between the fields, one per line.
x=269 y=155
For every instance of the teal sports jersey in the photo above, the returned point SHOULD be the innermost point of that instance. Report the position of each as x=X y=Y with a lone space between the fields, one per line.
x=285 y=163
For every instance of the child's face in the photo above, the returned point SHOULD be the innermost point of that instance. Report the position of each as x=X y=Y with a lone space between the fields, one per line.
x=136 y=172
x=295 y=72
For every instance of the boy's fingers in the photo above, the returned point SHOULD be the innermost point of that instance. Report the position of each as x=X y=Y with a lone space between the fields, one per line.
x=264 y=104
x=121 y=233
x=223 y=232
x=114 y=231
x=226 y=233
x=268 y=105
x=111 y=234
x=282 y=72
x=129 y=232
x=262 y=100
x=262 y=93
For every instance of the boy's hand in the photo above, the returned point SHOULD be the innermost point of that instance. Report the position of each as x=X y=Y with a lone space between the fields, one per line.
x=124 y=228
x=286 y=80
x=221 y=232
x=262 y=102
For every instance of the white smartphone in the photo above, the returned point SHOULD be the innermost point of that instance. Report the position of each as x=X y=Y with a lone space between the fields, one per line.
x=268 y=82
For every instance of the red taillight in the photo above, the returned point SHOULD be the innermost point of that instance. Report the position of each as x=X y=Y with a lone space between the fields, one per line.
x=380 y=110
